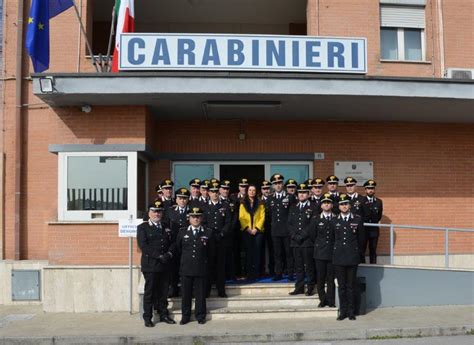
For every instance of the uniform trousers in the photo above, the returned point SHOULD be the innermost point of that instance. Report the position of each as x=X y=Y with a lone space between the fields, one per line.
x=346 y=279
x=325 y=273
x=199 y=285
x=155 y=294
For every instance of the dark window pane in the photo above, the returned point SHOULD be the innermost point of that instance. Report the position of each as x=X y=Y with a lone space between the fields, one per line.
x=389 y=43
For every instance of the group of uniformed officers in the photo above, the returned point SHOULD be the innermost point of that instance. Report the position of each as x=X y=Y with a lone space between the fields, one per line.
x=196 y=238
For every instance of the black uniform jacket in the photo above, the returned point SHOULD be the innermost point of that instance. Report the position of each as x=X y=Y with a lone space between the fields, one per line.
x=321 y=231
x=372 y=214
x=154 y=241
x=299 y=219
x=175 y=220
x=195 y=250
x=218 y=218
x=357 y=205
x=348 y=239
x=279 y=210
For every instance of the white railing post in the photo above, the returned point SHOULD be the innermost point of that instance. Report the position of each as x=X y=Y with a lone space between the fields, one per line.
x=446 y=248
x=391 y=244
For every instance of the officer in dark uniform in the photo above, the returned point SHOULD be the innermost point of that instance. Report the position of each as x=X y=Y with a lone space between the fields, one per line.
x=238 y=246
x=158 y=248
x=321 y=231
x=167 y=190
x=194 y=188
x=299 y=219
x=204 y=191
x=290 y=186
x=317 y=192
x=265 y=189
x=356 y=199
x=373 y=210
x=332 y=183
x=176 y=217
x=279 y=207
x=195 y=244
x=348 y=238
x=217 y=217
x=231 y=200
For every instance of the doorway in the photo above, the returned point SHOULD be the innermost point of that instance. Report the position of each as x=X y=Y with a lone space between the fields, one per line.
x=255 y=174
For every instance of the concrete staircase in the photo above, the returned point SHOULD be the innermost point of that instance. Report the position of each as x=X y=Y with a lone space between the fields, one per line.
x=258 y=301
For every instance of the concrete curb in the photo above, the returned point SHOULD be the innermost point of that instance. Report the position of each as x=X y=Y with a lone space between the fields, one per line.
x=333 y=334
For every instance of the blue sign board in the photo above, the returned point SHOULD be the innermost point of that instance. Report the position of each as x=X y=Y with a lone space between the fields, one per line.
x=147 y=51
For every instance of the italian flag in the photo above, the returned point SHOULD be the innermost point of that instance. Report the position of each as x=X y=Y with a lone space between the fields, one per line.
x=125 y=14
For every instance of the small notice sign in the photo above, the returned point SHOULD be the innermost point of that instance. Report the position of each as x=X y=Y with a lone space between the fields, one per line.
x=128 y=227
x=361 y=171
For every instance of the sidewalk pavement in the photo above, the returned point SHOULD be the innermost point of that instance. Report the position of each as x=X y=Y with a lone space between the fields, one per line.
x=30 y=325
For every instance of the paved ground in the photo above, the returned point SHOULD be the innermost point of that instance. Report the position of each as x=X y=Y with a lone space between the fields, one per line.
x=29 y=325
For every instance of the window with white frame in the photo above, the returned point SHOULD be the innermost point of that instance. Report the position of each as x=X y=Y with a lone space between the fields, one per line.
x=402 y=33
x=101 y=186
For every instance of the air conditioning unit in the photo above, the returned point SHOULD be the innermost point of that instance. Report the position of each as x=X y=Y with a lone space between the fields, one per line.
x=460 y=73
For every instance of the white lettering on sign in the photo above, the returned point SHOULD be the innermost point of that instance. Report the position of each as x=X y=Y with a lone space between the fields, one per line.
x=148 y=51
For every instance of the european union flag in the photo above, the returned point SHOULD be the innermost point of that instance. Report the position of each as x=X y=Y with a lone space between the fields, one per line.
x=37 y=35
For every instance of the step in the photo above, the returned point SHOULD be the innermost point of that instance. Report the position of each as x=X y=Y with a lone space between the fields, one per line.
x=290 y=312
x=259 y=289
x=248 y=301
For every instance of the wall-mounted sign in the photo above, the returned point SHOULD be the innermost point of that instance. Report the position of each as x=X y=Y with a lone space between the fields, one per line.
x=361 y=171
x=148 y=51
x=128 y=227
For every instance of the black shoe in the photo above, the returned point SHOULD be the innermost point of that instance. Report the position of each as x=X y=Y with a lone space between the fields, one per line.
x=332 y=305
x=149 y=323
x=322 y=304
x=201 y=321
x=167 y=320
x=223 y=295
x=277 y=277
x=184 y=321
x=291 y=278
x=296 y=292
x=310 y=291
x=341 y=317
x=352 y=317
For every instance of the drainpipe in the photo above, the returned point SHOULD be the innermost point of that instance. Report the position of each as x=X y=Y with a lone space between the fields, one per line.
x=441 y=37
x=18 y=124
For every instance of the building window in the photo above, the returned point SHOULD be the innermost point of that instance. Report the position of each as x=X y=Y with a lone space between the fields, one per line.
x=101 y=186
x=402 y=34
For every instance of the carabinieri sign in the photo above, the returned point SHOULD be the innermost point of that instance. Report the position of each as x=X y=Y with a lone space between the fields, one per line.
x=147 y=51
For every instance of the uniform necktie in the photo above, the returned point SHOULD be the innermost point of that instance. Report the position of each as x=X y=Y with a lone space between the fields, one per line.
x=327 y=217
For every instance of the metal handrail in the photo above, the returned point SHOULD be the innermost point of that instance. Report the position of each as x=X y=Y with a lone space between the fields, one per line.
x=417 y=227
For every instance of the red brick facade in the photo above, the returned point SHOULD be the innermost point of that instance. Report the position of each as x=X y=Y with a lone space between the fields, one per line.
x=424 y=170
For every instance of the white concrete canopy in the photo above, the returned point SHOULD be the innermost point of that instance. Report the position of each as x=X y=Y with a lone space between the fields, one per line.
x=212 y=95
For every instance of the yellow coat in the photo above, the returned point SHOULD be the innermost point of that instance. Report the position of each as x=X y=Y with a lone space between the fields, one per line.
x=258 y=220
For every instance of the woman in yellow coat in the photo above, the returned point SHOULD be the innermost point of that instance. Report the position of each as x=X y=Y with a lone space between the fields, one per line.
x=252 y=221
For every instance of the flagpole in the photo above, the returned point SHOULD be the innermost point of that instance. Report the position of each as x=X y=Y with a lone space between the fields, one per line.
x=94 y=62
x=109 y=48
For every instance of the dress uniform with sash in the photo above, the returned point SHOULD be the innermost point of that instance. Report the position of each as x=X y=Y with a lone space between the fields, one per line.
x=279 y=207
x=268 y=233
x=316 y=199
x=217 y=217
x=348 y=238
x=167 y=202
x=373 y=210
x=158 y=249
x=176 y=218
x=332 y=179
x=321 y=231
x=356 y=199
x=299 y=219
x=194 y=200
x=195 y=245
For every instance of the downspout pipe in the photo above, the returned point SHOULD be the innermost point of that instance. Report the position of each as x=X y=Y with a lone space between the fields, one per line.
x=18 y=131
